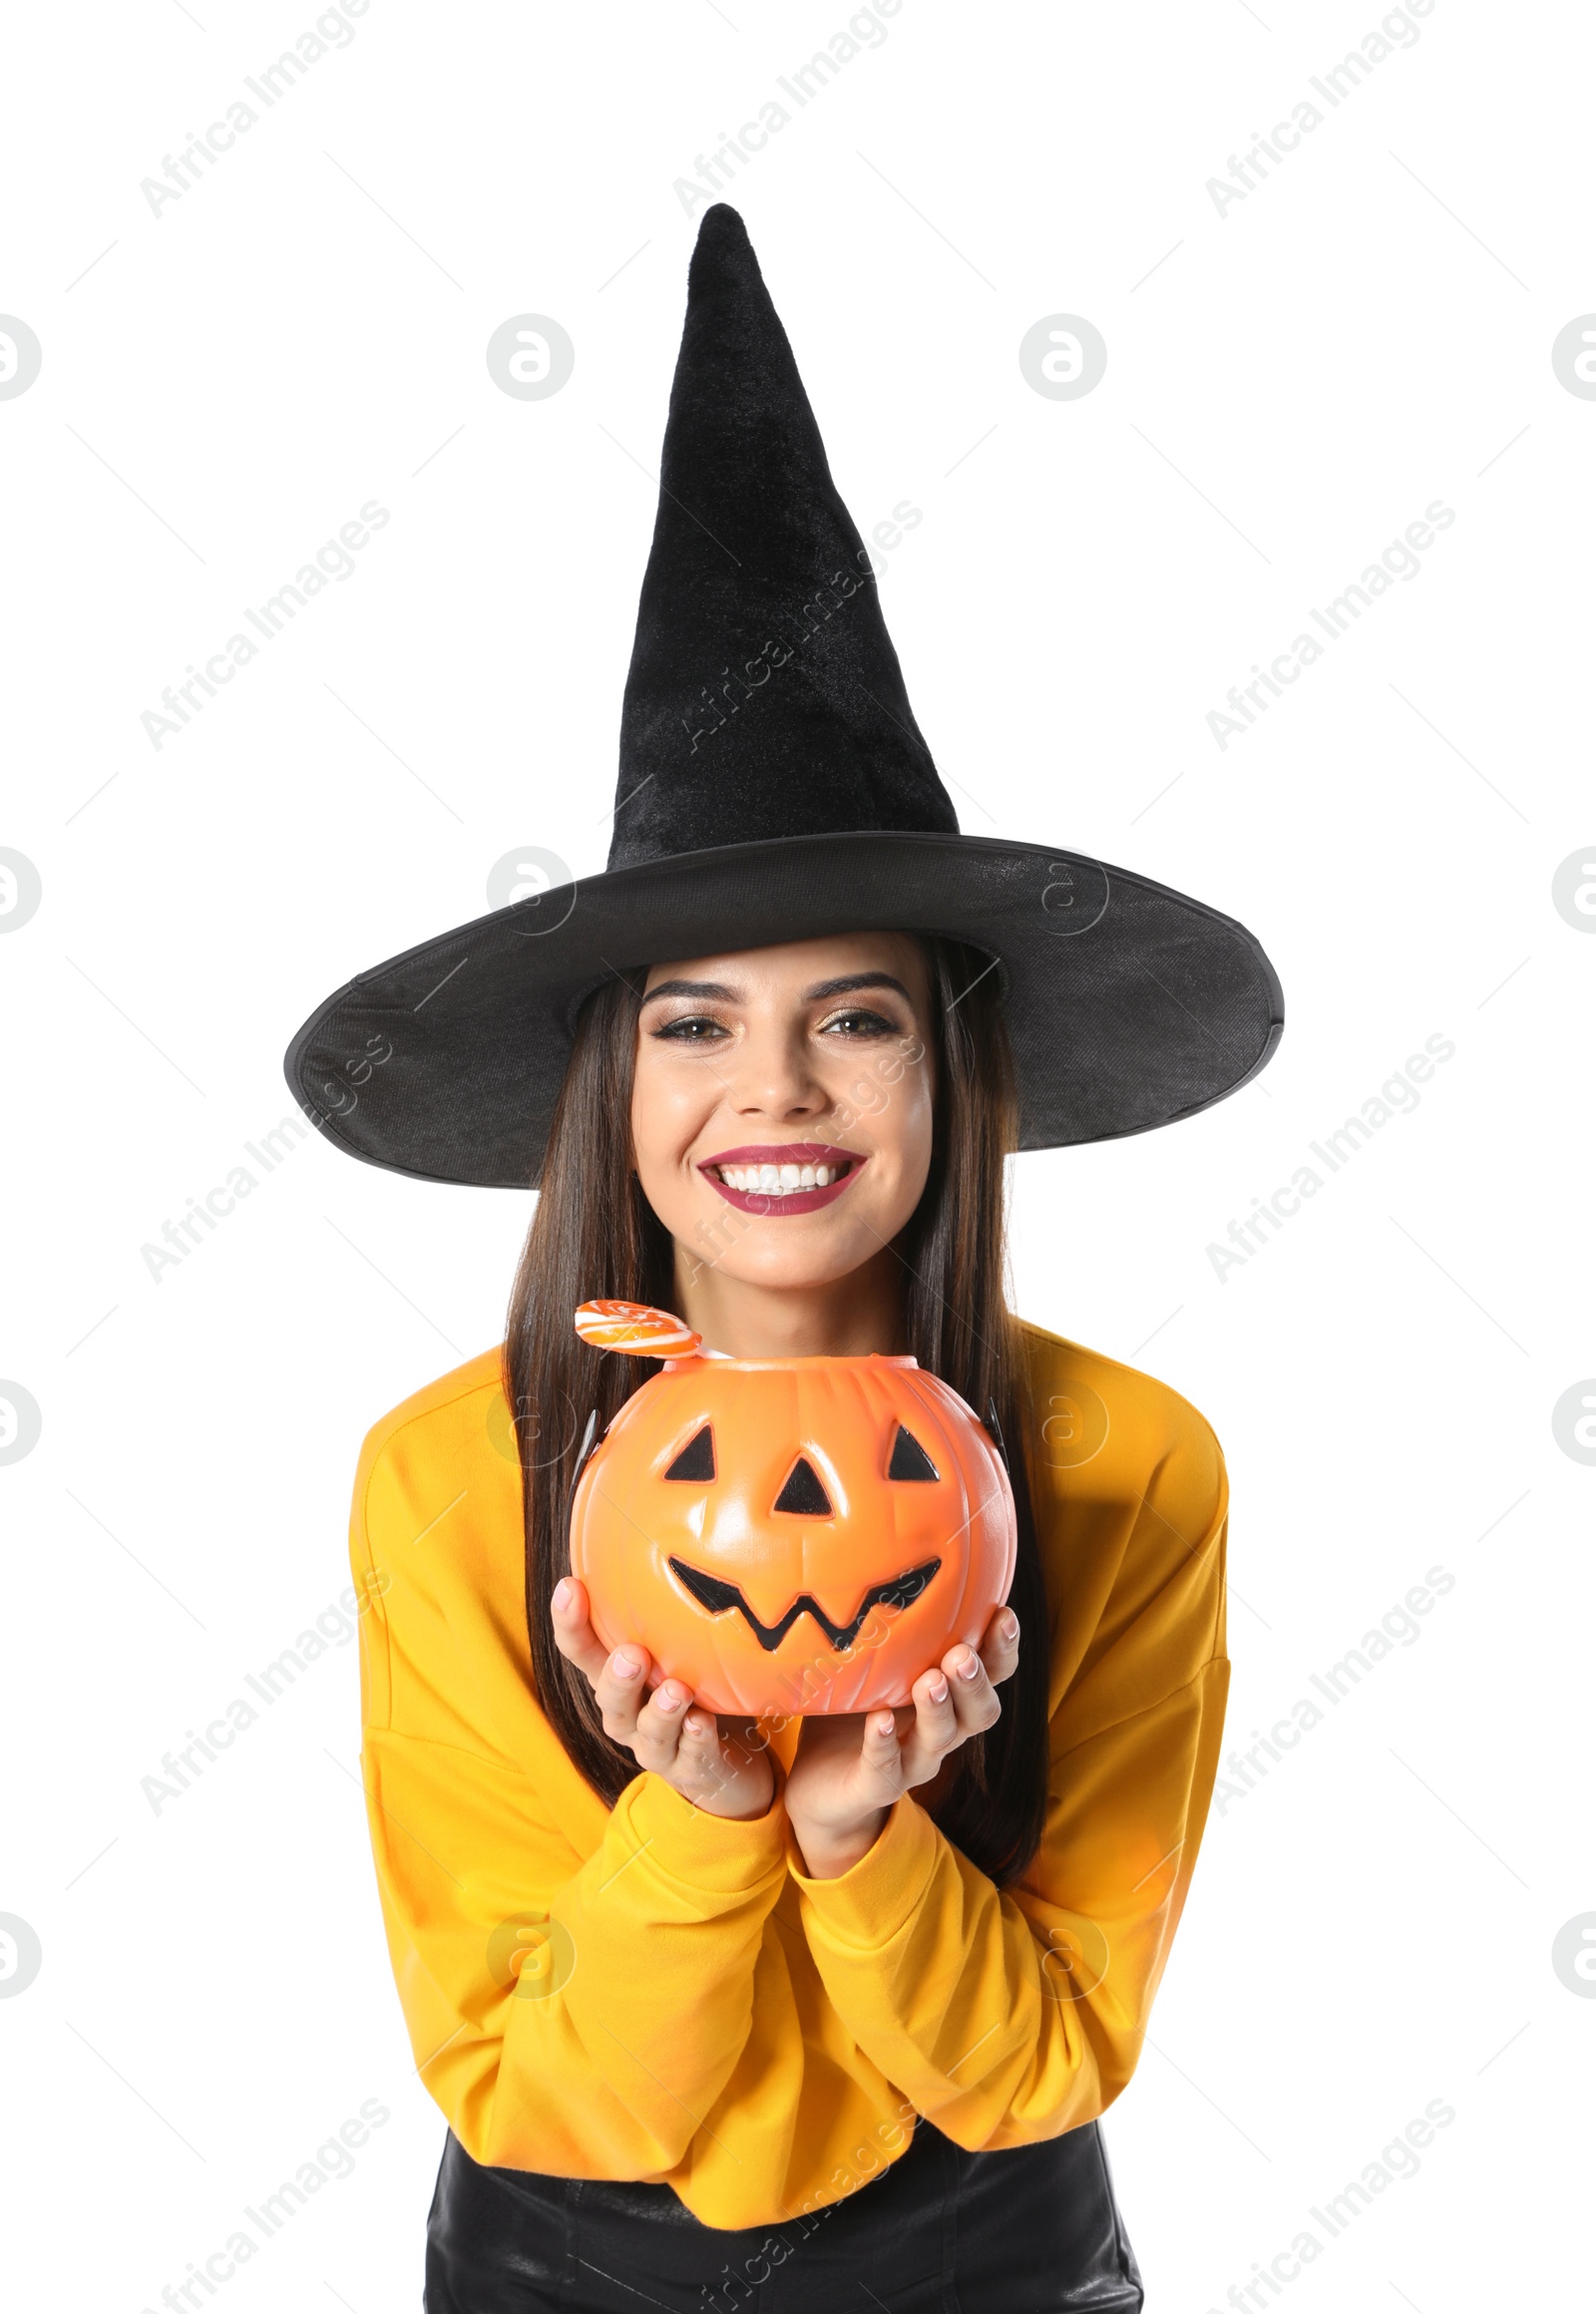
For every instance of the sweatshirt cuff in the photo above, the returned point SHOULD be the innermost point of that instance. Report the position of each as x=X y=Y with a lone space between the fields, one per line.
x=714 y=1855
x=866 y=1906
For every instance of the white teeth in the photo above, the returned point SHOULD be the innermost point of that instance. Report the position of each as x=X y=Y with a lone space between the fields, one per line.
x=779 y=1180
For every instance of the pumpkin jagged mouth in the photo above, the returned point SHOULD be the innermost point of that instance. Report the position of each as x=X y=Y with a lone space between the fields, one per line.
x=718 y=1597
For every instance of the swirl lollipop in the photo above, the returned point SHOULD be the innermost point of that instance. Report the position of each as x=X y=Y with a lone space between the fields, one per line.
x=635 y=1327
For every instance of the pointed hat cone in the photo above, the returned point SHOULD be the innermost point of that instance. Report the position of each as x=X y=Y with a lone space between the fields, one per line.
x=765 y=698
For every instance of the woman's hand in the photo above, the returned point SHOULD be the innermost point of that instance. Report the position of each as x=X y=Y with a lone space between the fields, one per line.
x=848 y=1769
x=718 y=1765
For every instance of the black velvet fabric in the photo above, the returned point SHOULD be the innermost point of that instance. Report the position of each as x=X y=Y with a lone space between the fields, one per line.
x=765 y=698
x=774 y=786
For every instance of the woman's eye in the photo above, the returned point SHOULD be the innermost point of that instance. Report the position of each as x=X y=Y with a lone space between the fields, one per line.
x=691 y=1030
x=860 y=1022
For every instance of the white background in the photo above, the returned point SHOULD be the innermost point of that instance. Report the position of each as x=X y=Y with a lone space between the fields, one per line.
x=1289 y=385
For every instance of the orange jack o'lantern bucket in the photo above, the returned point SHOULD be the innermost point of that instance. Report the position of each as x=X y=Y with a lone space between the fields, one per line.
x=788 y=1535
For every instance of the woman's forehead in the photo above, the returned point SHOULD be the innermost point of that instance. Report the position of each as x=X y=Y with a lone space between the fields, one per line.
x=793 y=967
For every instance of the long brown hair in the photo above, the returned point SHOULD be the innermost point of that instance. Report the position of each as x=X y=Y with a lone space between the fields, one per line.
x=595 y=1235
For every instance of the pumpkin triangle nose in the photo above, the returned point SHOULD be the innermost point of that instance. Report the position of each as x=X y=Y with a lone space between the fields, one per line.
x=803 y=1492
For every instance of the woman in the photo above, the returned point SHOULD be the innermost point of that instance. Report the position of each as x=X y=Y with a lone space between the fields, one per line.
x=685 y=1986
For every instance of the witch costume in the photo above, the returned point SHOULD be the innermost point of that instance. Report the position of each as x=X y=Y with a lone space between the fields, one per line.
x=682 y=2097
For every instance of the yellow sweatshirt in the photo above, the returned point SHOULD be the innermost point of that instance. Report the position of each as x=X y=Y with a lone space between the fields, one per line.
x=653 y=1993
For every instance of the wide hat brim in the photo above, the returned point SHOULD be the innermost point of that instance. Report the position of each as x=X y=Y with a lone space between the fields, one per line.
x=1128 y=1004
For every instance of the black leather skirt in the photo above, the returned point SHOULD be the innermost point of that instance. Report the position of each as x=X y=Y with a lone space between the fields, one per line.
x=1033 y=2229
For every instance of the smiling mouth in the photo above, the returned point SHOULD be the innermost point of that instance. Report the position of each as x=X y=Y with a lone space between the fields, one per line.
x=786 y=1178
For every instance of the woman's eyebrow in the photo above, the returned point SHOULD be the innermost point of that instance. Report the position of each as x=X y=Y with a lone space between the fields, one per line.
x=719 y=990
x=713 y=989
x=845 y=987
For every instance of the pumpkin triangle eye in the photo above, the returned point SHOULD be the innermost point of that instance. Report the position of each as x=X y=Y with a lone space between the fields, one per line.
x=803 y=1493
x=909 y=1457
x=697 y=1458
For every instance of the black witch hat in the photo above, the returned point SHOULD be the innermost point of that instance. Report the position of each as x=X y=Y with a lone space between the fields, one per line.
x=774 y=786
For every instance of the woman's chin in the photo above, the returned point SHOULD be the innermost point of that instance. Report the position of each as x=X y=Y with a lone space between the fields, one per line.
x=806 y=1259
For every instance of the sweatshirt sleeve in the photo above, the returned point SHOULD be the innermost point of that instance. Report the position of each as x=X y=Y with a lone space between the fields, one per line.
x=577 y=2018
x=578 y=1982
x=1010 y=2017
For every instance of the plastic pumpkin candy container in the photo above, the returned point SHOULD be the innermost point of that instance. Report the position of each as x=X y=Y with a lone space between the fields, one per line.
x=788 y=1535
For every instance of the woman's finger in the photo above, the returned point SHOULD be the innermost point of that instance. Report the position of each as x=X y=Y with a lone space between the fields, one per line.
x=574 y=1633
x=935 y=1728
x=881 y=1751
x=620 y=1692
x=975 y=1698
x=658 y=1729
x=1000 y=1645
x=699 y=1741
x=704 y=1764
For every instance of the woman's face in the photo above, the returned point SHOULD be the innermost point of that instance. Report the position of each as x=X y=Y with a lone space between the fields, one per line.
x=781 y=1108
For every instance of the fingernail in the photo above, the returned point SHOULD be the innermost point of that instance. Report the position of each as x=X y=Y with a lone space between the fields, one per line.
x=970 y=1667
x=885 y=1724
x=1011 y=1625
x=939 y=1691
x=669 y=1701
x=624 y=1669
x=561 y=1592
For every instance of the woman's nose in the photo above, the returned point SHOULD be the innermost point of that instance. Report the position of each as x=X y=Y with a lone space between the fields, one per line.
x=773 y=1076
